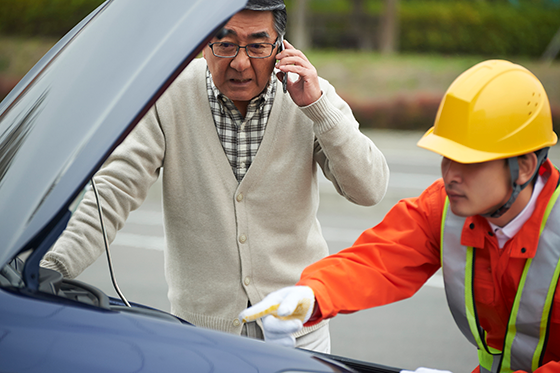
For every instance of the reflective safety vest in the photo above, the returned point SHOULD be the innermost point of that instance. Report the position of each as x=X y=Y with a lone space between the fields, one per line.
x=525 y=337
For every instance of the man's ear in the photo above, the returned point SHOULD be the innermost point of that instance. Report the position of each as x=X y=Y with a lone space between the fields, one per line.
x=527 y=167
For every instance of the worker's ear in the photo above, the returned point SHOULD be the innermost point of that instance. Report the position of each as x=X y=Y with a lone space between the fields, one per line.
x=527 y=167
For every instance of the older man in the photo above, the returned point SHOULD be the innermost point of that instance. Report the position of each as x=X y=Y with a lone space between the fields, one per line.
x=239 y=159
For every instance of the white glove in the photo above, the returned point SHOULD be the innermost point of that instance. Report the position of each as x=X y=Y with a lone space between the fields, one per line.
x=280 y=331
x=291 y=307
x=425 y=370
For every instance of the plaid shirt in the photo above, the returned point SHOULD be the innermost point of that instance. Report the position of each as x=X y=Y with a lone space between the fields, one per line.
x=240 y=137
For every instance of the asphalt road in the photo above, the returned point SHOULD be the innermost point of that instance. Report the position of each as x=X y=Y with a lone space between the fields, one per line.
x=412 y=333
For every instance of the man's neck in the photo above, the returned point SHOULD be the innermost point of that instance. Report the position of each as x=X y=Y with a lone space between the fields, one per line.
x=242 y=107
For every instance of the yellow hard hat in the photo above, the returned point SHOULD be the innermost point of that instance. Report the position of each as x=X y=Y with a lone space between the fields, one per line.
x=495 y=109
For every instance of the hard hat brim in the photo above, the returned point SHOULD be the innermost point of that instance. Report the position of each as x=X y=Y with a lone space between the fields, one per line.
x=456 y=151
x=463 y=154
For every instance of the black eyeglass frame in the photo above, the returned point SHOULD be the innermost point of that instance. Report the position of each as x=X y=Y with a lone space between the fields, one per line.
x=273 y=45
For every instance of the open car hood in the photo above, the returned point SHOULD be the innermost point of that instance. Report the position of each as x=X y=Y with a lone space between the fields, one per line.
x=82 y=98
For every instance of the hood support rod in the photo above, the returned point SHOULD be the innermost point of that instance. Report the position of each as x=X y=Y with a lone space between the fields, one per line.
x=106 y=241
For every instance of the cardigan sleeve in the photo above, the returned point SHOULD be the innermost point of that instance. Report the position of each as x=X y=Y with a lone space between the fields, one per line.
x=387 y=263
x=348 y=158
x=123 y=183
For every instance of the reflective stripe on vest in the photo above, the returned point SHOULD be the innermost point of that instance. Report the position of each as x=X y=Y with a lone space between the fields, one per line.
x=528 y=323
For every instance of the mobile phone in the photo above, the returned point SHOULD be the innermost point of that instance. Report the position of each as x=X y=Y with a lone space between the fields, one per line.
x=285 y=78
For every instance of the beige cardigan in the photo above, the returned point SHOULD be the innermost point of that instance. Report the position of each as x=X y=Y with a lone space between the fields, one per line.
x=227 y=243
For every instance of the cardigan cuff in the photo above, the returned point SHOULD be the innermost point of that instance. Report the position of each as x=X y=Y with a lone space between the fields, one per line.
x=309 y=329
x=323 y=113
x=52 y=261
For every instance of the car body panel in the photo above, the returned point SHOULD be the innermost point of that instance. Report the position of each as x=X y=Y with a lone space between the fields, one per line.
x=41 y=335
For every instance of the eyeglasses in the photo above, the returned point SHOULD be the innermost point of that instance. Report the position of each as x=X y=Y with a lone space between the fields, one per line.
x=253 y=50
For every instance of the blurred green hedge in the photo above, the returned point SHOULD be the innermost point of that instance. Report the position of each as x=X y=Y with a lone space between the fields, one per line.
x=496 y=28
x=481 y=28
x=43 y=17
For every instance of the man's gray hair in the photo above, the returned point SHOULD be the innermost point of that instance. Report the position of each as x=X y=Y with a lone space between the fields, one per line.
x=278 y=9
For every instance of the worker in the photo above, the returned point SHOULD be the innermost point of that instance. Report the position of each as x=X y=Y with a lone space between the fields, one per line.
x=491 y=222
x=239 y=159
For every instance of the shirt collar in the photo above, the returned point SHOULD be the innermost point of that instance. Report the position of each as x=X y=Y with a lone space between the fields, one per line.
x=256 y=102
x=503 y=234
x=477 y=230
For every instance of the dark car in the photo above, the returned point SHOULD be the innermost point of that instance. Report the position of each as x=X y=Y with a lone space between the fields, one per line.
x=57 y=127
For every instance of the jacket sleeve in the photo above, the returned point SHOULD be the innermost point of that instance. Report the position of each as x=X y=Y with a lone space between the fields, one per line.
x=387 y=263
x=123 y=183
x=348 y=158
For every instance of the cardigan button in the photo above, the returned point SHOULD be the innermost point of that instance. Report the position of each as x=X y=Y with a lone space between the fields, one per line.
x=236 y=322
x=247 y=281
x=471 y=226
x=523 y=250
x=242 y=238
x=239 y=197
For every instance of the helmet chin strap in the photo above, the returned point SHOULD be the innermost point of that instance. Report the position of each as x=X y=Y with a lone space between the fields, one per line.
x=516 y=189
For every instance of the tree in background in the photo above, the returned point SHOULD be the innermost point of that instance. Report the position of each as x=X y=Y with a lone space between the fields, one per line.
x=389 y=32
x=301 y=33
x=359 y=23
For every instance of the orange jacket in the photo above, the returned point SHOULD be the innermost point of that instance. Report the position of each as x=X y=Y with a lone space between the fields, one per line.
x=396 y=257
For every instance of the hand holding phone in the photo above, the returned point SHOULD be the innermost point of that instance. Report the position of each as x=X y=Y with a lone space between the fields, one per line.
x=304 y=87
